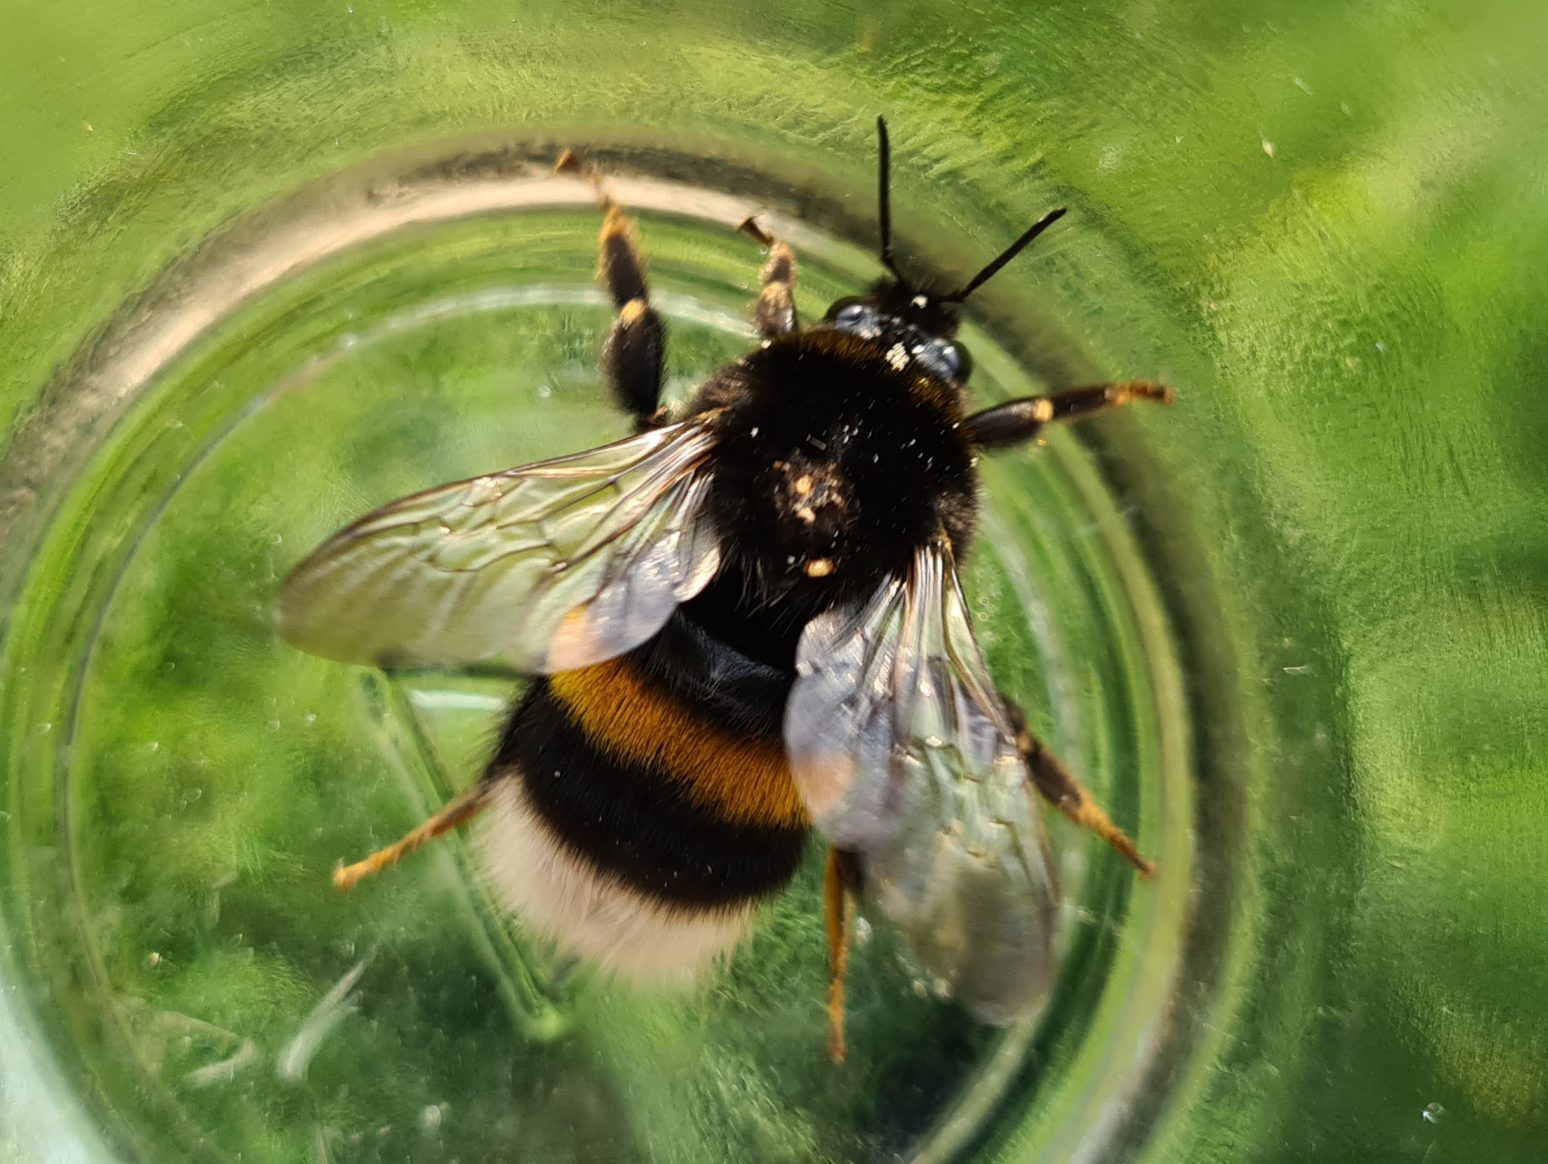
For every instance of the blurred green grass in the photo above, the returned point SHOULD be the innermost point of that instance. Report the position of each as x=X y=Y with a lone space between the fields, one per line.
x=1326 y=225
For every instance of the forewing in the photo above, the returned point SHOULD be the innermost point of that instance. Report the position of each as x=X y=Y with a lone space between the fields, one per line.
x=543 y=568
x=902 y=751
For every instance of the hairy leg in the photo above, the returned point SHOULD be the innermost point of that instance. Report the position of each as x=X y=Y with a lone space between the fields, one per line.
x=839 y=883
x=634 y=354
x=774 y=312
x=1058 y=785
x=1018 y=421
x=458 y=811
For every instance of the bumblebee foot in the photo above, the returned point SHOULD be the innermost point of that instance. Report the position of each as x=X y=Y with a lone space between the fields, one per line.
x=1088 y=814
x=837 y=1050
x=1019 y=421
x=458 y=811
x=1057 y=785
x=570 y=162
x=749 y=226
x=773 y=313
x=840 y=878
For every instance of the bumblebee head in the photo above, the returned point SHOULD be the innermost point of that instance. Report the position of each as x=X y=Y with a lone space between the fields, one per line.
x=895 y=313
x=900 y=310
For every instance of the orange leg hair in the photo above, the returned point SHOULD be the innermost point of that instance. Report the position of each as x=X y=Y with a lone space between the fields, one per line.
x=458 y=811
x=840 y=878
x=774 y=312
x=1058 y=786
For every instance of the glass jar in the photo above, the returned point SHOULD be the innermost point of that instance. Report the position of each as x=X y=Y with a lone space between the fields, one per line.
x=264 y=266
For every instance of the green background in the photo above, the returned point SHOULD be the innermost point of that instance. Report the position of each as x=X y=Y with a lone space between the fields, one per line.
x=1326 y=225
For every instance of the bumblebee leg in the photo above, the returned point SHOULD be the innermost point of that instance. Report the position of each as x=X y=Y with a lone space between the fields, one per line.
x=633 y=356
x=1018 y=421
x=840 y=878
x=774 y=313
x=1058 y=786
x=457 y=811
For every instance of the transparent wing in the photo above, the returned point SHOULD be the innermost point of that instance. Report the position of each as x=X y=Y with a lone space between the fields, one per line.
x=542 y=568
x=901 y=749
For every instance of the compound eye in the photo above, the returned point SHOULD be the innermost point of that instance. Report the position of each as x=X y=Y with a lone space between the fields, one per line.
x=959 y=363
x=847 y=312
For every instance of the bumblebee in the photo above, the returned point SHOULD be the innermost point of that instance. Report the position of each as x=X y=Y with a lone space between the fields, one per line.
x=744 y=624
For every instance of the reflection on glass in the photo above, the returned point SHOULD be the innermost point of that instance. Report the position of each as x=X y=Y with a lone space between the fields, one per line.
x=265 y=268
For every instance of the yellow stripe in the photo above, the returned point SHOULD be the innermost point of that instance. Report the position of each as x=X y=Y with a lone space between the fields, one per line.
x=741 y=778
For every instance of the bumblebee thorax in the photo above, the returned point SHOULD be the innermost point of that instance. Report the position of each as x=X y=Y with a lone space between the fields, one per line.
x=833 y=462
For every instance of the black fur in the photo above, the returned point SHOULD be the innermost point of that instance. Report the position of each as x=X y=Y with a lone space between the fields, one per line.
x=693 y=662
x=902 y=302
x=840 y=451
x=829 y=452
x=826 y=451
x=634 y=824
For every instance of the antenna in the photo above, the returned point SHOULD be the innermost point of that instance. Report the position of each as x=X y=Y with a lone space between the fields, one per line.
x=1005 y=256
x=884 y=196
x=884 y=220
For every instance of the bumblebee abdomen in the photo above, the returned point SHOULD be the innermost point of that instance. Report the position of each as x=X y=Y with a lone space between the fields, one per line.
x=559 y=892
x=738 y=777
x=631 y=783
